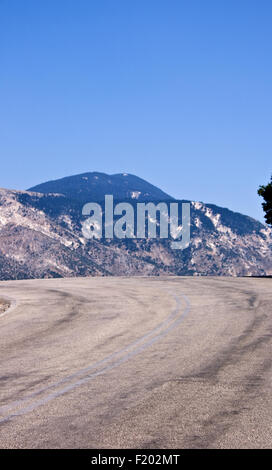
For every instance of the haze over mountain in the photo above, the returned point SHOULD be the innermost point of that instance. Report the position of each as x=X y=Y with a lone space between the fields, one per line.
x=92 y=187
x=40 y=235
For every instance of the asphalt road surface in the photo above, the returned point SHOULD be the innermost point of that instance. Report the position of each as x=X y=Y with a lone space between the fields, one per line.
x=136 y=363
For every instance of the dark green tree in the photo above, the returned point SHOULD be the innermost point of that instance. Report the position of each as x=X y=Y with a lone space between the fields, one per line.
x=266 y=193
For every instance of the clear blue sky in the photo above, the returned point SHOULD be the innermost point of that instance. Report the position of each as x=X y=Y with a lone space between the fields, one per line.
x=177 y=92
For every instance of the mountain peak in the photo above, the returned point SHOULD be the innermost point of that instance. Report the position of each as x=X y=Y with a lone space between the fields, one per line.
x=92 y=186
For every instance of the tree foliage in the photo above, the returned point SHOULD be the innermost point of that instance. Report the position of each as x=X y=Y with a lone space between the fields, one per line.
x=266 y=192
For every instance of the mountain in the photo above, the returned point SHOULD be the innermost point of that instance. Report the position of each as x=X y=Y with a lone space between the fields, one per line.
x=40 y=236
x=92 y=187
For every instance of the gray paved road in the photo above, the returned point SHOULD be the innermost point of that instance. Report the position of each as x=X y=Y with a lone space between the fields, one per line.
x=136 y=362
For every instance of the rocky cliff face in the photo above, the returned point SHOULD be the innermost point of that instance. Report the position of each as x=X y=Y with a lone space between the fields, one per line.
x=40 y=236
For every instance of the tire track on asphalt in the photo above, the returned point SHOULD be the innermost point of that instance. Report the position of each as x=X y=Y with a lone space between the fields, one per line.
x=136 y=347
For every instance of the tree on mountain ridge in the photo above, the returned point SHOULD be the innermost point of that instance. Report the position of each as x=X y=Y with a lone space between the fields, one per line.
x=266 y=192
